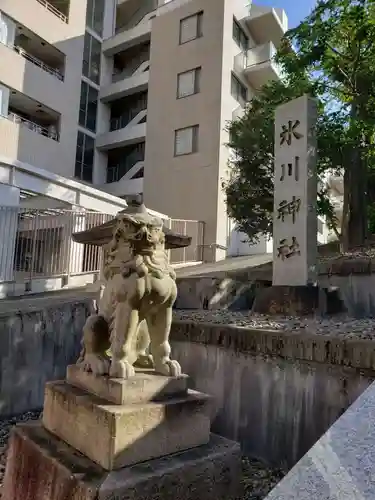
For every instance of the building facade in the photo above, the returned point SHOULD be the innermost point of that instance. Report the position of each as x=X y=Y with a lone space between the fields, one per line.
x=176 y=72
x=134 y=97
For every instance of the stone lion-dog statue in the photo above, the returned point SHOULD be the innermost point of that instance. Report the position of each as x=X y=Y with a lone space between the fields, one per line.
x=134 y=314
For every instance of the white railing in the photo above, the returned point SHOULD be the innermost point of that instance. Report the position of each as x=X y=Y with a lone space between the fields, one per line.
x=50 y=133
x=37 y=244
x=53 y=9
x=37 y=62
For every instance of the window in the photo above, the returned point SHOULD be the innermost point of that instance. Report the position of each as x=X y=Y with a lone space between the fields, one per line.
x=186 y=140
x=95 y=15
x=188 y=83
x=239 y=36
x=238 y=90
x=84 y=157
x=91 y=58
x=88 y=107
x=191 y=28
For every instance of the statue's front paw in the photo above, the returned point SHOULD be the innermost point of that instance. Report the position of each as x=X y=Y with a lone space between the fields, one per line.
x=121 y=369
x=95 y=363
x=170 y=368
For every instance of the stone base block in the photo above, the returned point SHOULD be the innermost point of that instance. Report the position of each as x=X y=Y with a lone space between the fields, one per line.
x=115 y=436
x=288 y=300
x=41 y=467
x=145 y=386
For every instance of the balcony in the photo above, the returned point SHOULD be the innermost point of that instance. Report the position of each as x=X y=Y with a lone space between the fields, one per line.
x=30 y=133
x=60 y=8
x=122 y=133
x=29 y=114
x=266 y=23
x=49 y=132
x=258 y=65
x=126 y=38
x=34 y=49
x=125 y=170
x=124 y=85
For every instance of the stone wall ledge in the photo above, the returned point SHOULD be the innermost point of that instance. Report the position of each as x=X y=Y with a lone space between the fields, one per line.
x=289 y=345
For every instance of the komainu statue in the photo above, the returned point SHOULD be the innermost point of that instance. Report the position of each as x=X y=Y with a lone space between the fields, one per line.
x=134 y=316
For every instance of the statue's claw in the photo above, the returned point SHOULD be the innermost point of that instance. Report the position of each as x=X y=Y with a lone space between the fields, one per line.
x=169 y=368
x=95 y=363
x=121 y=369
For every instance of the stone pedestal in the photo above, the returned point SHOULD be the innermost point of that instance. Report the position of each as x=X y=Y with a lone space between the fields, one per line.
x=115 y=436
x=155 y=443
x=288 y=300
x=298 y=301
x=42 y=467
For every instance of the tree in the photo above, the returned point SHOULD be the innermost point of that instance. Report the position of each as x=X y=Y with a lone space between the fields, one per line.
x=334 y=60
x=336 y=48
x=249 y=190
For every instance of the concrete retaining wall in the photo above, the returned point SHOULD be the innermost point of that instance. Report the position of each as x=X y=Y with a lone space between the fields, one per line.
x=36 y=345
x=275 y=392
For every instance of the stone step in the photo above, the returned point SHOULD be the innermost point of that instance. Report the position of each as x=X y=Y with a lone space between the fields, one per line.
x=115 y=436
x=144 y=387
x=41 y=466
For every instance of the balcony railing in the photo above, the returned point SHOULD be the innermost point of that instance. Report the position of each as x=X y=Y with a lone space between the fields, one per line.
x=51 y=134
x=36 y=61
x=53 y=9
x=122 y=121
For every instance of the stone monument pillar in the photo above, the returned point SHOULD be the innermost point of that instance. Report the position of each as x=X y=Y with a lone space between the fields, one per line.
x=295 y=192
x=294 y=274
x=124 y=424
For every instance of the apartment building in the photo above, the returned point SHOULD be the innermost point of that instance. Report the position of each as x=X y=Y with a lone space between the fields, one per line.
x=133 y=97
x=176 y=72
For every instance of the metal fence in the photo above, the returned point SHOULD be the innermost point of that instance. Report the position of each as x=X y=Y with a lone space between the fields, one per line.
x=194 y=252
x=38 y=244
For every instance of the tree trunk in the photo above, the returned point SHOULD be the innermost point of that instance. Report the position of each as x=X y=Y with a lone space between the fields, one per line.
x=356 y=192
x=344 y=241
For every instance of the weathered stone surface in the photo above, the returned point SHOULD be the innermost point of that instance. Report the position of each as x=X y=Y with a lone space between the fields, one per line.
x=340 y=465
x=36 y=345
x=295 y=188
x=214 y=293
x=42 y=467
x=144 y=387
x=115 y=436
x=294 y=345
x=287 y=300
x=210 y=472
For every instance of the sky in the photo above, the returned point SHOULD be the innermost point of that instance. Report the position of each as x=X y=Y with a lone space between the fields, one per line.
x=296 y=10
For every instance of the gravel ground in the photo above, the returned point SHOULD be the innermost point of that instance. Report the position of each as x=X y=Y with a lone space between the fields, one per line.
x=258 y=479
x=339 y=324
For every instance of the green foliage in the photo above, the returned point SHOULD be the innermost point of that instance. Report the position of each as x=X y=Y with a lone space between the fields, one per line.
x=333 y=60
x=249 y=189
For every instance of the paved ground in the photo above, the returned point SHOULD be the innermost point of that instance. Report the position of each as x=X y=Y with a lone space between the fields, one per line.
x=231 y=264
x=31 y=301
